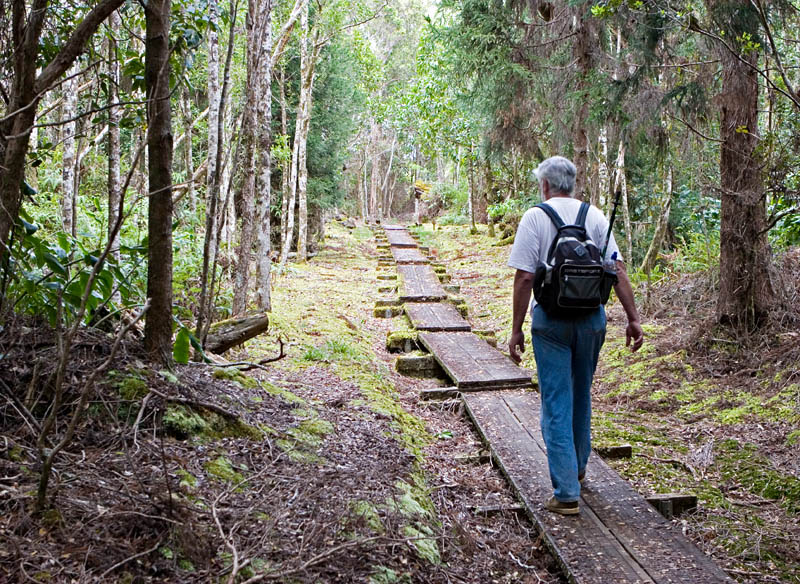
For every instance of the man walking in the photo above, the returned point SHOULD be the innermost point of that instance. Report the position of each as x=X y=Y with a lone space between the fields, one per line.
x=566 y=347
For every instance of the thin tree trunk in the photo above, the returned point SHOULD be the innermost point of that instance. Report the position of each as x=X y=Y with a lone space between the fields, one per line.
x=585 y=41
x=489 y=196
x=114 y=118
x=621 y=184
x=600 y=194
x=264 y=188
x=661 y=227
x=188 y=163
x=387 y=200
x=306 y=97
x=247 y=208
x=299 y=146
x=158 y=325
x=216 y=124
x=69 y=149
x=287 y=164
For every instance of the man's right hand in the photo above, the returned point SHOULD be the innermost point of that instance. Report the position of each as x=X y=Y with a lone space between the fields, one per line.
x=517 y=340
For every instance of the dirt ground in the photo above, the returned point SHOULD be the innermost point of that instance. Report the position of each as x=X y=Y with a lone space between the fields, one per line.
x=324 y=466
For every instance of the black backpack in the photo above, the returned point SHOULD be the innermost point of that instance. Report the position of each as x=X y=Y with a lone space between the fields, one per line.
x=574 y=280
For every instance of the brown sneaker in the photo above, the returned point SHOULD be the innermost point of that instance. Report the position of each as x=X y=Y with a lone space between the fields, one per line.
x=556 y=506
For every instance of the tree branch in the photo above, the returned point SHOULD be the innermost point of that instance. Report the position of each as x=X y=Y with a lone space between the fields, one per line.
x=75 y=44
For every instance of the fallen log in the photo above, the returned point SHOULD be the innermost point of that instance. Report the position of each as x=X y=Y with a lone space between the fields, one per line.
x=228 y=333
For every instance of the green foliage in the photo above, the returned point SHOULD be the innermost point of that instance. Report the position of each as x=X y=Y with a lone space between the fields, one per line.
x=332 y=350
x=44 y=273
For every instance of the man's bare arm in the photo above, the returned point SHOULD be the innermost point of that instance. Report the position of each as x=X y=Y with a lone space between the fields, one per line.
x=523 y=282
x=634 y=336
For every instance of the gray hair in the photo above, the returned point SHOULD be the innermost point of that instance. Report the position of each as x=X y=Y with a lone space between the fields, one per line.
x=559 y=174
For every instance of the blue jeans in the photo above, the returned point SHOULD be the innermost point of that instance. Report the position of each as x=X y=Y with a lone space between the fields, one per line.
x=566 y=354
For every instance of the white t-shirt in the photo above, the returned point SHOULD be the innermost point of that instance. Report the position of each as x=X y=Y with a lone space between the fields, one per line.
x=536 y=232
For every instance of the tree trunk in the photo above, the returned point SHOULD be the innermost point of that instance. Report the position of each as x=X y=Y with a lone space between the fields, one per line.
x=298 y=178
x=661 y=227
x=215 y=123
x=600 y=194
x=387 y=196
x=263 y=186
x=70 y=129
x=247 y=209
x=471 y=191
x=489 y=196
x=114 y=118
x=585 y=41
x=621 y=184
x=286 y=166
x=188 y=163
x=158 y=326
x=746 y=294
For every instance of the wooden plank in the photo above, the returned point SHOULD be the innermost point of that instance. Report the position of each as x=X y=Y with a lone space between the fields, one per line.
x=653 y=542
x=472 y=363
x=390 y=227
x=435 y=316
x=399 y=238
x=408 y=255
x=581 y=544
x=419 y=283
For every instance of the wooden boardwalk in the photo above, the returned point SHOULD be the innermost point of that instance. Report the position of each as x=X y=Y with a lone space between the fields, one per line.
x=408 y=255
x=472 y=363
x=618 y=537
x=435 y=316
x=399 y=238
x=419 y=283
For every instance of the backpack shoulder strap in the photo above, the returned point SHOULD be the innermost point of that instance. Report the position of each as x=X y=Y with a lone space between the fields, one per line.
x=554 y=217
x=580 y=220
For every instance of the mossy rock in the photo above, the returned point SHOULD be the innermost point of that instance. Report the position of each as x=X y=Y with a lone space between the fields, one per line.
x=387 y=277
x=401 y=341
x=133 y=388
x=444 y=278
x=387 y=289
x=223 y=469
x=387 y=311
x=236 y=376
x=183 y=422
x=420 y=365
x=487 y=336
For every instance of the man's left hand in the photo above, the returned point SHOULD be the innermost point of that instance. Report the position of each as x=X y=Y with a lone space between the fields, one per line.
x=516 y=340
x=634 y=335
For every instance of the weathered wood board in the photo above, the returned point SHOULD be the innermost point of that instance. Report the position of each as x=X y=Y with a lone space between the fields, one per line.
x=472 y=363
x=391 y=227
x=408 y=255
x=399 y=238
x=419 y=283
x=436 y=316
x=618 y=537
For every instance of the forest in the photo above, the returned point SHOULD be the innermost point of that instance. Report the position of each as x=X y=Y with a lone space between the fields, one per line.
x=197 y=381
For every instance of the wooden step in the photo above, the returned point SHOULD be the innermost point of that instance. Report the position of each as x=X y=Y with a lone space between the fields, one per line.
x=418 y=283
x=472 y=363
x=408 y=255
x=435 y=316
x=399 y=238
x=617 y=537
